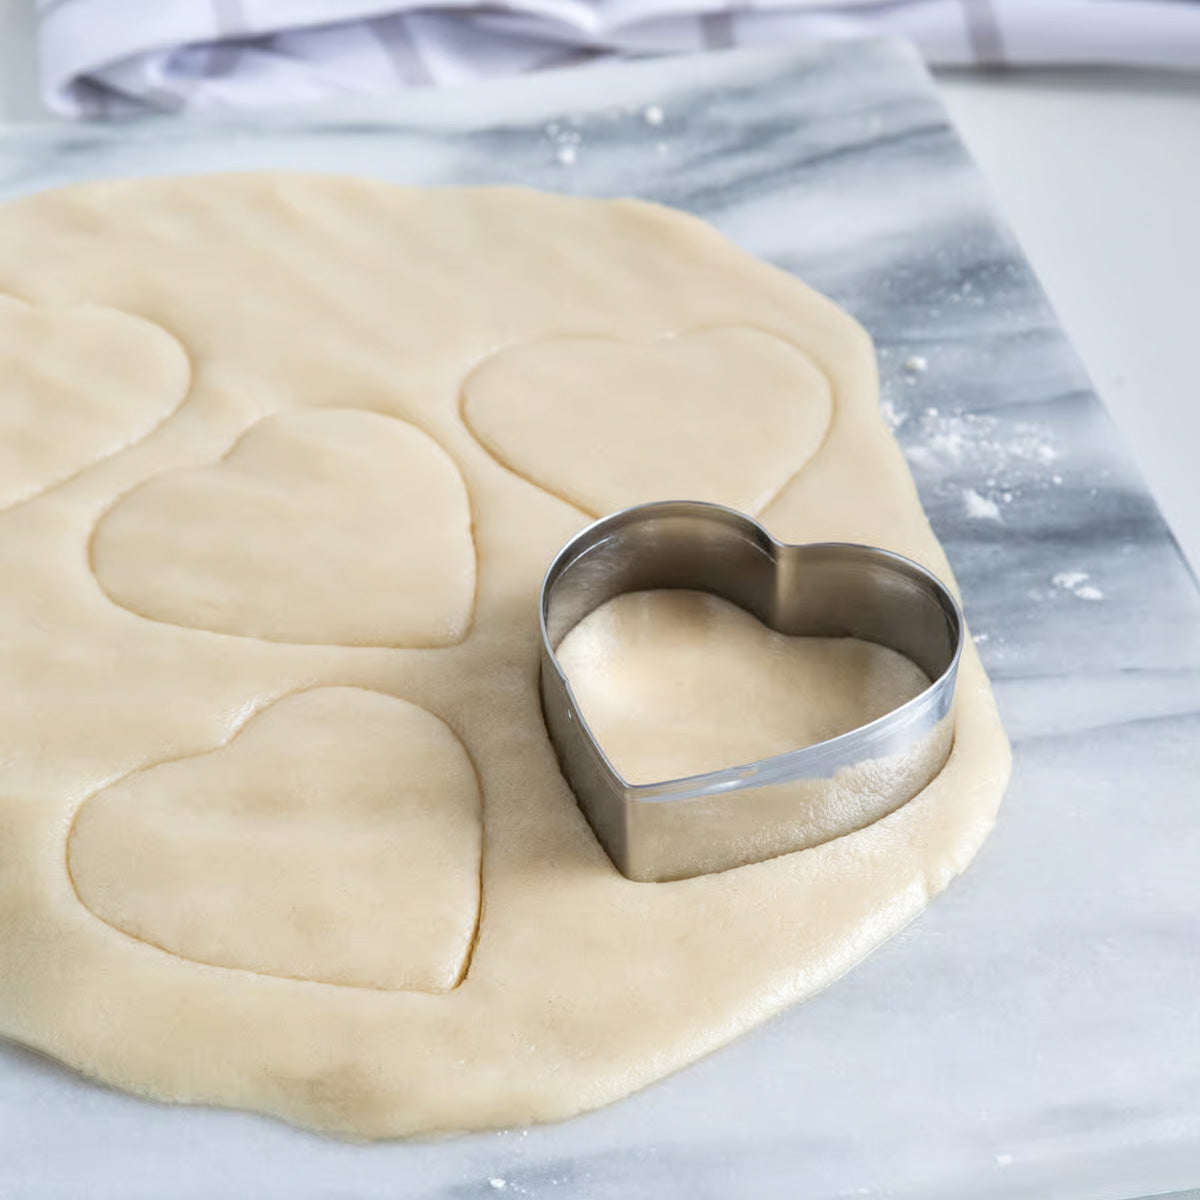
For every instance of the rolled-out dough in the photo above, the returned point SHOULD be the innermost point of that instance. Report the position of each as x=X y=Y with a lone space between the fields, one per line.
x=280 y=827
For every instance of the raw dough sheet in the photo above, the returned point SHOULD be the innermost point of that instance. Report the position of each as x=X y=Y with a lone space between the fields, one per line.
x=273 y=775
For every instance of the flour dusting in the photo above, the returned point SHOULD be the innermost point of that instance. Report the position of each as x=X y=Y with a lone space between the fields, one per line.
x=979 y=508
x=979 y=441
x=1076 y=582
x=892 y=415
x=1070 y=579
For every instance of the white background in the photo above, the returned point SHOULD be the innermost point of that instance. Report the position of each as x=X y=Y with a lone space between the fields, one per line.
x=1099 y=174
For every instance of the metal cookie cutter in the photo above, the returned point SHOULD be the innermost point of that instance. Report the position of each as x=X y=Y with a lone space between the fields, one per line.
x=678 y=828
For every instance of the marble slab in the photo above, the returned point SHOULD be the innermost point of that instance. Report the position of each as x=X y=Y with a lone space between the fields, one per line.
x=1037 y=1032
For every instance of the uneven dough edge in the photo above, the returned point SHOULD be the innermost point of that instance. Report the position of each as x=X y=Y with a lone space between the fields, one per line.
x=379 y=1112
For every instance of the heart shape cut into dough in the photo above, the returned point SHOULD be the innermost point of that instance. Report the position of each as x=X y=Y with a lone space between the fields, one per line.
x=77 y=385
x=675 y=683
x=330 y=526
x=335 y=838
x=727 y=415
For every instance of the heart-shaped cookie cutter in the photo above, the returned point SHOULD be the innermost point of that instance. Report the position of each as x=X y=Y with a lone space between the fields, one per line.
x=678 y=828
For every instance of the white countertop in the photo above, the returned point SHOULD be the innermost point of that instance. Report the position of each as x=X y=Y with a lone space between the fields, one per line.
x=1098 y=173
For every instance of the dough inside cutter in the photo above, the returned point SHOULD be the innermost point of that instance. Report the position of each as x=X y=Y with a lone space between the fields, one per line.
x=675 y=683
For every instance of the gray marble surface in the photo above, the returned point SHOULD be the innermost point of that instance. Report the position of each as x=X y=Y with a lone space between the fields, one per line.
x=1037 y=1032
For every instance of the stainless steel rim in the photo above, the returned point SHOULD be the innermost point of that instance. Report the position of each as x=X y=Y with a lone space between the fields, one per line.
x=823 y=589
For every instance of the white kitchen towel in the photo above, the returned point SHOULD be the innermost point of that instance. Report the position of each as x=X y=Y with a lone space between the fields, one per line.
x=104 y=57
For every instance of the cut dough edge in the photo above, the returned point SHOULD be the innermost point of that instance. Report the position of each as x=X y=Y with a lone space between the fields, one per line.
x=489 y=442
x=251 y=437
x=118 y=445
x=278 y=710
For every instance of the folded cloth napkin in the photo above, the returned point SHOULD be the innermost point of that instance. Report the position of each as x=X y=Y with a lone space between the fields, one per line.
x=103 y=57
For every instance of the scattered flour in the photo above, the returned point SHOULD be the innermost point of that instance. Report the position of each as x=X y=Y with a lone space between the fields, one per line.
x=1070 y=579
x=1003 y=1160
x=1002 y=452
x=653 y=114
x=1007 y=460
x=979 y=508
x=1076 y=582
x=566 y=141
x=497 y=1183
x=892 y=415
x=916 y=364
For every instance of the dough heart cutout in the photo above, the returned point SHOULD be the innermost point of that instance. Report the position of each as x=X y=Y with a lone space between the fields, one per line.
x=76 y=386
x=717 y=688
x=673 y=683
x=324 y=526
x=336 y=838
x=728 y=415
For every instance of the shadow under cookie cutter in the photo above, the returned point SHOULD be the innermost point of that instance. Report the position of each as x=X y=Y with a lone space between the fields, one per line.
x=678 y=828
